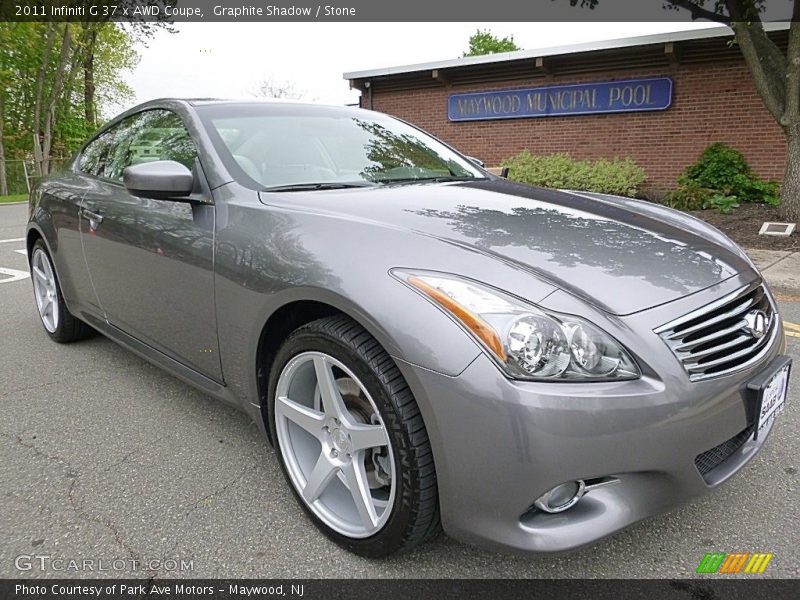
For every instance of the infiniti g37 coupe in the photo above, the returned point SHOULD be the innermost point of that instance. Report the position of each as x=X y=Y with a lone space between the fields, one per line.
x=424 y=344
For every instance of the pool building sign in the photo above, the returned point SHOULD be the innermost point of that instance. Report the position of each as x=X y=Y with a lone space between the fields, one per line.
x=632 y=95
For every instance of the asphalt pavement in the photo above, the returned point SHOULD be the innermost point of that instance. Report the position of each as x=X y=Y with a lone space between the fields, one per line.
x=108 y=459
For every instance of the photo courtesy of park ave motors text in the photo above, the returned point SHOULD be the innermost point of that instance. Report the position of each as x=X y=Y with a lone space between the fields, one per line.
x=288 y=297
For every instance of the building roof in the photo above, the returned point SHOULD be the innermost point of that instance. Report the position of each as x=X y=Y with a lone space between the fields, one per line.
x=552 y=51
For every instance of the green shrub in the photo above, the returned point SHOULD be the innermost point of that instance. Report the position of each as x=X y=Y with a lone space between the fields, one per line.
x=725 y=170
x=723 y=204
x=689 y=196
x=622 y=177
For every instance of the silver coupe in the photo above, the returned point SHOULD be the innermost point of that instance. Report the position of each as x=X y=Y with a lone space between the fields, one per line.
x=425 y=345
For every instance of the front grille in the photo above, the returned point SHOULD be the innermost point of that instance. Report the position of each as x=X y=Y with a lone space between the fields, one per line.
x=717 y=339
x=711 y=459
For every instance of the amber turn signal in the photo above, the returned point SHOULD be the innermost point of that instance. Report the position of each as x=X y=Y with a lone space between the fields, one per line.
x=470 y=320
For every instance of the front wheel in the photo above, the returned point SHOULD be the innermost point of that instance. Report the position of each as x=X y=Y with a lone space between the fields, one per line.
x=351 y=440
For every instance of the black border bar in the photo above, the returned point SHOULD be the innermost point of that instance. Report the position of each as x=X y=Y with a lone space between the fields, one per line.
x=751 y=587
x=359 y=10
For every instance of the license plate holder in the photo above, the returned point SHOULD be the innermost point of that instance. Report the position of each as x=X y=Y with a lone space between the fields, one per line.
x=768 y=393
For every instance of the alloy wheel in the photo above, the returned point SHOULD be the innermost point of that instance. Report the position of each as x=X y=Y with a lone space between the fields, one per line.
x=45 y=290
x=334 y=445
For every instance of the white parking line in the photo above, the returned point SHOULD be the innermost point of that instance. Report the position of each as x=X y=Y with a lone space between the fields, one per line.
x=23 y=252
x=13 y=275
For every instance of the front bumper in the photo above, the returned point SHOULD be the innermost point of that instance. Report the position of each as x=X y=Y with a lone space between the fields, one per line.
x=500 y=444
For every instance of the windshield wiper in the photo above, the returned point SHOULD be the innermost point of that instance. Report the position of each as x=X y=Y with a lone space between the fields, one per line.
x=326 y=185
x=439 y=179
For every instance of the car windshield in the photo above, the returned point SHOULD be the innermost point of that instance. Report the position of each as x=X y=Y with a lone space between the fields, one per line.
x=283 y=147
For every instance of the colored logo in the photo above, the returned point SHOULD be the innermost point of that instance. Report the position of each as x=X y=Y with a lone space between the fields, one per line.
x=736 y=562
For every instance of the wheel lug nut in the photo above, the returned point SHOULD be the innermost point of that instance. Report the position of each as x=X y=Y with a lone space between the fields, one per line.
x=334 y=453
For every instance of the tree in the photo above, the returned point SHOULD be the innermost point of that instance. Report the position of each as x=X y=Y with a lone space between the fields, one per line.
x=3 y=180
x=483 y=42
x=48 y=111
x=118 y=42
x=776 y=75
x=271 y=88
x=3 y=77
x=43 y=144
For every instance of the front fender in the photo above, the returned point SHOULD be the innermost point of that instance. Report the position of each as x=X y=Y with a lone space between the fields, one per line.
x=268 y=256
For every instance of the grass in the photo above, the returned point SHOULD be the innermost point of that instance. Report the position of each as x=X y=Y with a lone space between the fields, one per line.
x=14 y=198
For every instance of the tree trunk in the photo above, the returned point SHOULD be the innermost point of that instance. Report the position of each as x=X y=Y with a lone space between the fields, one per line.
x=88 y=82
x=790 y=190
x=48 y=36
x=777 y=80
x=3 y=182
x=55 y=92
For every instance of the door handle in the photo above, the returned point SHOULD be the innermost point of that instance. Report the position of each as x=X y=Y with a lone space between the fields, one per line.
x=94 y=218
x=91 y=215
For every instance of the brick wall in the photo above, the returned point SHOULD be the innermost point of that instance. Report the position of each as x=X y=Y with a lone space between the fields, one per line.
x=711 y=102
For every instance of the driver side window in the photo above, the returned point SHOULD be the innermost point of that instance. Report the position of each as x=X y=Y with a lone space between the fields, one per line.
x=149 y=136
x=95 y=155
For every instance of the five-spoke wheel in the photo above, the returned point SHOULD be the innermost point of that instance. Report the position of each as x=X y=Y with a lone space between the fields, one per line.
x=335 y=444
x=44 y=289
x=351 y=439
x=59 y=323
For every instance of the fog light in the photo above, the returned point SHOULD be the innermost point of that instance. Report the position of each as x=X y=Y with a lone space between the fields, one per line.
x=561 y=497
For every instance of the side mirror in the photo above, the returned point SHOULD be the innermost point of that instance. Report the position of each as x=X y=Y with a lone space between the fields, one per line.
x=499 y=171
x=477 y=161
x=160 y=179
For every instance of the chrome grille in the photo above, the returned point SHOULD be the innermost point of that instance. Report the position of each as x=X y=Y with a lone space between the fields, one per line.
x=719 y=338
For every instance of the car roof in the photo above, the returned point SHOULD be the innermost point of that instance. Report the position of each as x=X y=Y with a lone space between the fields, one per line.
x=250 y=101
x=199 y=103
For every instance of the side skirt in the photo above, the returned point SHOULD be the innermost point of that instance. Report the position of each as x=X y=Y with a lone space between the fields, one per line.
x=173 y=367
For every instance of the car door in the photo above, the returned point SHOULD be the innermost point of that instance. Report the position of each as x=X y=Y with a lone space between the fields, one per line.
x=151 y=261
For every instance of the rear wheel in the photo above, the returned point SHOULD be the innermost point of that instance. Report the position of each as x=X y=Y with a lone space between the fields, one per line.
x=351 y=440
x=57 y=321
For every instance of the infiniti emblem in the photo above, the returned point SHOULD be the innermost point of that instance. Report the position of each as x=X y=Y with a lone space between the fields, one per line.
x=756 y=323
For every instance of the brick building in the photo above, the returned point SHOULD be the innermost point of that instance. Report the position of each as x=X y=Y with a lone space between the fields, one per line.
x=712 y=99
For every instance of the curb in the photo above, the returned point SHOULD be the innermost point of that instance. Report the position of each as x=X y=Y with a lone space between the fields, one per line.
x=780 y=269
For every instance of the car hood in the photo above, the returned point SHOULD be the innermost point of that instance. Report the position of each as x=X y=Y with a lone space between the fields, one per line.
x=621 y=255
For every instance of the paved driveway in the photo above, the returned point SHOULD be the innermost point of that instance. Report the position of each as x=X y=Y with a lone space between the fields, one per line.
x=106 y=457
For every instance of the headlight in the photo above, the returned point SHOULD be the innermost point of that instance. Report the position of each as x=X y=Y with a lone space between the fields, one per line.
x=528 y=342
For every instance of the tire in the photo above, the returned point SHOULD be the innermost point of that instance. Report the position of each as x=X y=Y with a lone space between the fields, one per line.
x=56 y=319
x=406 y=509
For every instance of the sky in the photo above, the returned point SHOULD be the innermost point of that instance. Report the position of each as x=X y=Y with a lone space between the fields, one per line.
x=229 y=60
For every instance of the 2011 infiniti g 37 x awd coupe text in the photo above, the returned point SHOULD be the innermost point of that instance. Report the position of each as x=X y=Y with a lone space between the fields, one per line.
x=423 y=343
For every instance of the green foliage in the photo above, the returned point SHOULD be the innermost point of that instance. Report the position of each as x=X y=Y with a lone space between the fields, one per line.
x=483 y=42
x=115 y=53
x=724 y=204
x=23 y=56
x=725 y=170
x=690 y=196
x=622 y=177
